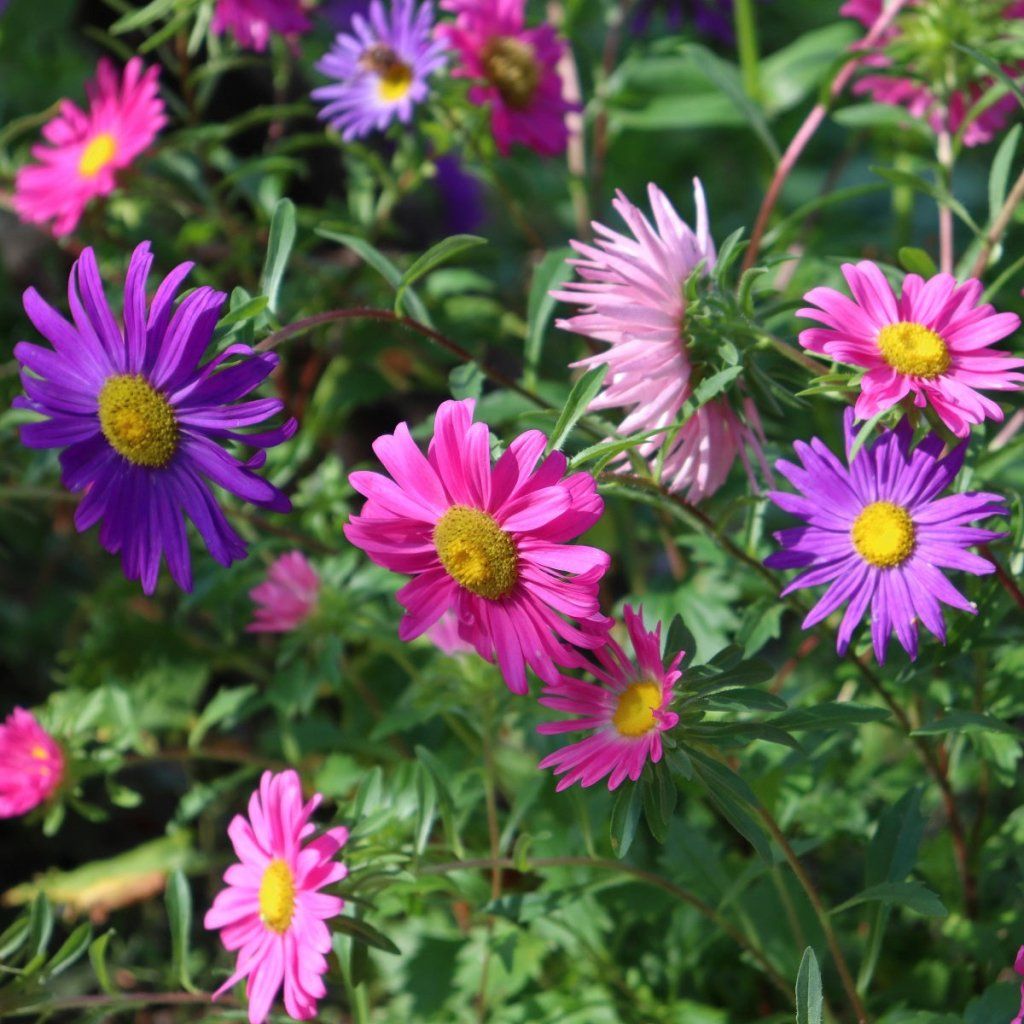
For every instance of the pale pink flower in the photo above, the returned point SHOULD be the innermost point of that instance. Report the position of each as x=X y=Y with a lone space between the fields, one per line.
x=444 y=634
x=625 y=714
x=84 y=150
x=487 y=542
x=253 y=22
x=287 y=597
x=631 y=291
x=272 y=911
x=31 y=764
x=933 y=342
x=515 y=71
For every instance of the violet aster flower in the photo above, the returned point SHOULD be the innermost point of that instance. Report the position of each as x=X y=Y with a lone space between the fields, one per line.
x=141 y=420
x=879 y=535
x=31 y=764
x=710 y=17
x=933 y=342
x=381 y=68
x=253 y=22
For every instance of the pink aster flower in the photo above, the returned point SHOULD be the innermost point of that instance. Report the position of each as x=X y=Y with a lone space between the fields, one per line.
x=515 y=69
x=287 y=597
x=31 y=764
x=932 y=342
x=84 y=150
x=252 y=22
x=272 y=911
x=487 y=542
x=631 y=291
x=913 y=92
x=1018 y=966
x=444 y=635
x=625 y=715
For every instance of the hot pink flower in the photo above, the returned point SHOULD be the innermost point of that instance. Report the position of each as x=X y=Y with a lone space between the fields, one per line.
x=252 y=22
x=1018 y=966
x=626 y=714
x=917 y=96
x=31 y=764
x=932 y=342
x=487 y=542
x=84 y=151
x=631 y=291
x=516 y=69
x=272 y=911
x=287 y=597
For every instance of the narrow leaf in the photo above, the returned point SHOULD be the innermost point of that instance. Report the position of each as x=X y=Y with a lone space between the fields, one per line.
x=279 y=248
x=583 y=393
x=809 y=996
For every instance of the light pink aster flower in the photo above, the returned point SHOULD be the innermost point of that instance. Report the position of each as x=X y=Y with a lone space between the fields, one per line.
x=932 y=342
x=487 y=542
x=287 y=597
x=631 y=291
x=515 y=69
x=444 y=634
x=941 y=114
x=252 y=22
x=1018 y=966
x=272 y=911
x=31 y=764
x=84 y=150
x=625 y=715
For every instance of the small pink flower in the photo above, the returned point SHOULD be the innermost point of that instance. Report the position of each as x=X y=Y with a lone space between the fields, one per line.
x=625 y=715
x=487 y=542
x=31 y=764
x=631 y=291
x=1018 y=966
x=84 y=150
x=933 y=342
x=444 y=634
x=272 y=911
x=287 y=597
x=515 y=69
x=252 y=22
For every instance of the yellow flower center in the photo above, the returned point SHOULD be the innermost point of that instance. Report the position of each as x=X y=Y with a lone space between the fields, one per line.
x=883 y=534
x=634 y=714
x=100 y=151
x=138 y=421
x=393 y=74
x=913 y=349
x=476 y=552
x=39 y=753
x=277 y=896
x=511 y=67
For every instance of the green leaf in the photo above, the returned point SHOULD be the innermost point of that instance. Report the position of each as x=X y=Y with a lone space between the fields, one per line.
x=98 y=959
x=442 y=252
x=955 y=720
x=178 y=897
x=999 y=176
x=996 y=68
x=227 y=705
x=892 y=852
x=582 y=394
x=809 y=996
x=279 y=248
x=912 y=895
x=466 y=381
x=624 y=818
x=71 y=950
x=144 y=16
x=917 y=261
x=358 y=930
x=829 y=716
x=659 y=800
x=791 y=73
x=551 y=273
x=444 y=797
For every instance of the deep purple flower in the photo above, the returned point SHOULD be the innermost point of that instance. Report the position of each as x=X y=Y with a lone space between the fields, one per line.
x=461 y=194
x=141 y=422
x=879 y=535
x=381 y=68
x=710 y=17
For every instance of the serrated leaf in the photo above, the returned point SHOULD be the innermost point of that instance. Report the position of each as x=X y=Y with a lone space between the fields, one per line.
x=809 y=996
x=583 y=393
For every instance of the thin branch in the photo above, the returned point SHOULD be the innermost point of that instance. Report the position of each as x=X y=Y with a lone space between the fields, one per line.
x=999 y=226
x=944 y=154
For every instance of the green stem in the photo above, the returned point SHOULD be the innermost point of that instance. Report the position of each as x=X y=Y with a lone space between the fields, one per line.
x=745 y=22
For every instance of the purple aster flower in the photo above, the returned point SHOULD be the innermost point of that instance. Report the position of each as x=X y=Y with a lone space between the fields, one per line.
x=380 y=69
x=461 y=194
x=141 y=422
x=879 y=535
x=710 y=17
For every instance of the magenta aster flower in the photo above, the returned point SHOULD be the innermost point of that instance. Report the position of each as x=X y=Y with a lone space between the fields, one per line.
x=141 y=421
x=879 y=535
x=287 y=597
x=515 y=70
x=272 y=911
x=631 y=291
x=1018 y=966
x=487 y=542
x=929 y=23
x=253 y=22
x=625 y=715
x=932 y=342
x=381 y=69
x=31 y=764
x=84 y=150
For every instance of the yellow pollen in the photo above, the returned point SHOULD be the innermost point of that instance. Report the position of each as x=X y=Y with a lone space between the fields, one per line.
x=39 y=753
x=393 y=74
x=476 y=552
x=883 y=534
x=511 y=67
x=634 y=715
x=277 y=896
x=138 y=421
x=913 y=349
x=100 y=151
